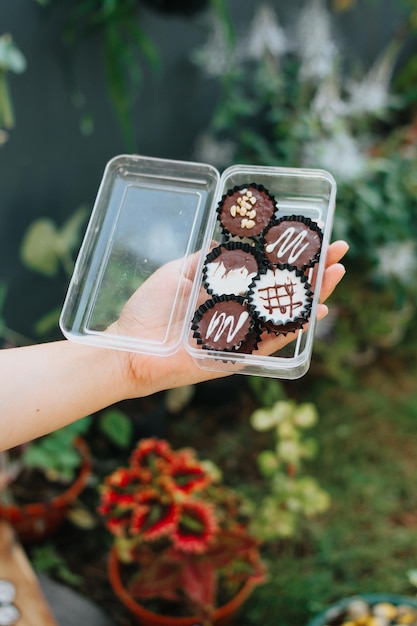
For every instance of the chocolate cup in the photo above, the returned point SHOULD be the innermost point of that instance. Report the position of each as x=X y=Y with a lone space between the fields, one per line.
x=217 y=333
x=233 y=256
x=301 y=242
x=264 y=207
x=290 y=324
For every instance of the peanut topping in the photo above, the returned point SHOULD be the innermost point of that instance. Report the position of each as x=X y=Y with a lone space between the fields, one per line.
x=245 y=208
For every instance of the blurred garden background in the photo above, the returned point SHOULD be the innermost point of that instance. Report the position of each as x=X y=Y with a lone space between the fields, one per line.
x=298 y=83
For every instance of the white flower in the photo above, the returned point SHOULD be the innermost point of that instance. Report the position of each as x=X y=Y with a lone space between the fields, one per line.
x=215 y=58
x=341 y=155
x=314 y=42
x=327 y=104
x=211 y=150
x=398 y=260
x=371 y=94
x=265 y=36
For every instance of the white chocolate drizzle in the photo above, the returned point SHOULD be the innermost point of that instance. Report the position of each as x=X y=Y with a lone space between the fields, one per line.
x=288 y=242
x=280 y=296
x=222 y=323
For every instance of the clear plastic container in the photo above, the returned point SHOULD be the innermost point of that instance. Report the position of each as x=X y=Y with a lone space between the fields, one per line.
x=151 y=212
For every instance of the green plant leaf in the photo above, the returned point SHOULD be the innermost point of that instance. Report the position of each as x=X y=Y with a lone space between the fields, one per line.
x=47 y=323
x=117 y=427
x=267 y=463
x=70 y=234
x=11 y=59
x=305 y=415
x=45 y=247
x=39 y=247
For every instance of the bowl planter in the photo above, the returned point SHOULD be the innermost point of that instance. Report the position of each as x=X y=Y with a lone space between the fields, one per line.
x=221 y=617
x=35 y=521
x=335 y=615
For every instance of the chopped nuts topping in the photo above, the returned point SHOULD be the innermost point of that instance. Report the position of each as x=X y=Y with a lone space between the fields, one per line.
x=245 y=209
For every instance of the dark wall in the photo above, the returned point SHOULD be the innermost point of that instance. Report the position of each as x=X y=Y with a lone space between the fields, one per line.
x=49 y=167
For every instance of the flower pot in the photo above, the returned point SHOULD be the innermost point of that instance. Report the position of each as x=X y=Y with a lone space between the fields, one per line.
x=327 y=616
x=222 y=616
x=36 y=521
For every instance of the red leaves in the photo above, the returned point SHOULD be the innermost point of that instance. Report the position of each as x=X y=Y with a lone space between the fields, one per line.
x=182 y=531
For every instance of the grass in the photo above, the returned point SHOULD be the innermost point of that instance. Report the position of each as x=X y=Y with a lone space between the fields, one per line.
x=367 y=541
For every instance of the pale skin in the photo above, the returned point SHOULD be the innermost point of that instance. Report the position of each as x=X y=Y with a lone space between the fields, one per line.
x=46 y=386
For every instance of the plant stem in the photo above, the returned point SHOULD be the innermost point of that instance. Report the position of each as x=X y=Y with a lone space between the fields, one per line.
x=6 y=106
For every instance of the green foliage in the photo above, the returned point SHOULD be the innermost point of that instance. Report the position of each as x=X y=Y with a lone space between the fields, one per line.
x=126 y=50
x=267 y=390
x=11 y=60
x=45 y=247
x=7 y=334
x=117 y=427
x=46 y=559
x=275 y=109
x=289 y=495
x=55 y=454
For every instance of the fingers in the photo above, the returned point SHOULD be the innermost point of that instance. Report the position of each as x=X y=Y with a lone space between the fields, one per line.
x=334 y=271
x=336 y=252
x=331 y=278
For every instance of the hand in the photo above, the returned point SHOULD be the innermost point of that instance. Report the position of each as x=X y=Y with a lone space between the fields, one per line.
x=145 y=374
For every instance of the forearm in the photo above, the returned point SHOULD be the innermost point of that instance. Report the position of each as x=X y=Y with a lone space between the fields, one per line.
x=47 y=386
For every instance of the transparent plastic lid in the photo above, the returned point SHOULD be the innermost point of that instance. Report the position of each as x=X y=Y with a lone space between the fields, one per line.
x=147 y=213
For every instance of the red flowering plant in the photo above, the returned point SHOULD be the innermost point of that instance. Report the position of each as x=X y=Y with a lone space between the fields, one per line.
x=181 y=532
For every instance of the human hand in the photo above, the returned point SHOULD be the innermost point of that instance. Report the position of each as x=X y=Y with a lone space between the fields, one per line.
x=144 y=374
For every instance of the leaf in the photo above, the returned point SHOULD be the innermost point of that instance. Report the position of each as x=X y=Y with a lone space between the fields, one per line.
x=158 y=579
x=117 y=427
x=82 y=518
x=7 y=119
x=267 y=463
x=262 y=419
x=412 y=577
x=144 y=44
x=199 y=582
x=44 y=246
x=305 y=415
x=69 y=235
x=39 y=247
x=11 y=59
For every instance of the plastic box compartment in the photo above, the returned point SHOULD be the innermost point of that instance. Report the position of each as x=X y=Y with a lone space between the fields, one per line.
x=150 y=212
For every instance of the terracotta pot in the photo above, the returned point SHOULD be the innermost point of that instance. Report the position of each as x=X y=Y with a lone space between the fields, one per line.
x=371 y=598
x=222 y=616
x=36 y=521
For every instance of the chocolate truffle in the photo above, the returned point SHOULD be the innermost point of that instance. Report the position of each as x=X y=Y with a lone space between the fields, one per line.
x=293 y=240
x=222 y=323
x=281 y=297
x=253 y=339
x=246 y=210
x=229 y=269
